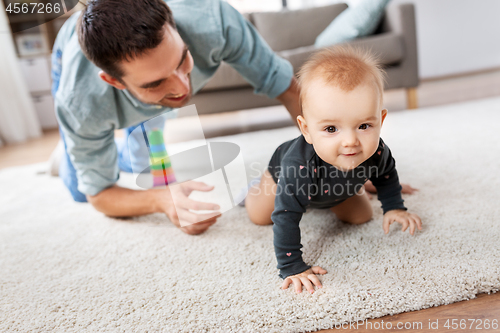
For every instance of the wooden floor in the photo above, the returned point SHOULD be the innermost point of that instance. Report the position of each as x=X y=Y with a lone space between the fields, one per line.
x=473 y=313
x=430 y=93
x=33 y=151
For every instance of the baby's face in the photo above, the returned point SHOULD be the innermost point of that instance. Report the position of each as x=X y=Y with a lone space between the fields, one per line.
x=343 y=127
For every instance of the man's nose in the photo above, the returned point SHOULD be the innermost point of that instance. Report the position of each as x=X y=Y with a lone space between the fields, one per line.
x=181 y=83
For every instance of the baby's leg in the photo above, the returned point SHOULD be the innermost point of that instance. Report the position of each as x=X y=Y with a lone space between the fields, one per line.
x=356 y=210
x=260 y=200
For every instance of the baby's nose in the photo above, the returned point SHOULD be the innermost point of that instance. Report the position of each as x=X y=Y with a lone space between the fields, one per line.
x=349 y=139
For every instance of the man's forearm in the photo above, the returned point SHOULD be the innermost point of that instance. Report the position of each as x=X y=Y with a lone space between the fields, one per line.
x=290 y=99
x=120 y=202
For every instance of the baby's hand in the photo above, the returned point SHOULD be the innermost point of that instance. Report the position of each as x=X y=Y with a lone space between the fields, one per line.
x=304 y=278
x=404 y=218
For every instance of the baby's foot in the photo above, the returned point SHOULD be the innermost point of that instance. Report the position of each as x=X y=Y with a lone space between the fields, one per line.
x=240 y=198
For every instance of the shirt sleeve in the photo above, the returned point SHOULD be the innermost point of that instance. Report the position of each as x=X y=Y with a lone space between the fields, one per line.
x=290 y=202
x=386 y=180
x=247 y=52
x=94 y=155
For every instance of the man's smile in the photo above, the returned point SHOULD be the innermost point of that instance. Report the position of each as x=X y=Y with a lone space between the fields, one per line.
x=177 y=98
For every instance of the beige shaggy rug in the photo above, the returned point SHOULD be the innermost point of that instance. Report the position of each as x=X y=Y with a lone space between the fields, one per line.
x=67 y=268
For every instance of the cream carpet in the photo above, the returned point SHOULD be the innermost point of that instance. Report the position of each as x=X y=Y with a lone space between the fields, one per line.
x=67 y=268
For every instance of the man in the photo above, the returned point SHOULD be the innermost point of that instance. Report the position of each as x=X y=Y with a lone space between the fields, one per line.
x=122 y=62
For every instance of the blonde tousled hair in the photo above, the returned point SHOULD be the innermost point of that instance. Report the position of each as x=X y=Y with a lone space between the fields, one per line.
x=345 y=67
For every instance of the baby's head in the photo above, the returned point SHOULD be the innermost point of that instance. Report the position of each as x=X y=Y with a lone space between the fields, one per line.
x=341 y=102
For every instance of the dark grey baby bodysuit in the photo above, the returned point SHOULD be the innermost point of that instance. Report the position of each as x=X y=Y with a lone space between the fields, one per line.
x=304 y=180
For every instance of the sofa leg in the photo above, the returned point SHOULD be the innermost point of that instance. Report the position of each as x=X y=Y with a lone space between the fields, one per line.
x=411 y=98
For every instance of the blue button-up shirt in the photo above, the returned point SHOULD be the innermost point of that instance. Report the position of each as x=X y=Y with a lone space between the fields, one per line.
x=89 y=110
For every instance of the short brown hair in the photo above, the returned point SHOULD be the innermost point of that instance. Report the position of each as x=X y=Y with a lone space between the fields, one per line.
x=345 y=67
x=110 y=31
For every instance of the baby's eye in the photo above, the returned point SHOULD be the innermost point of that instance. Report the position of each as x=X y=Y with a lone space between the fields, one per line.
x=364 y=126
x=331 y=129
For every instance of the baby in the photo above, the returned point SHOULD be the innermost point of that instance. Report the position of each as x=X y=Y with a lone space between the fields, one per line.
x=340 y=149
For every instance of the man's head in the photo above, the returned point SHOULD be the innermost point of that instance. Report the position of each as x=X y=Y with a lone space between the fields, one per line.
x=137 y=46
x=341 y=102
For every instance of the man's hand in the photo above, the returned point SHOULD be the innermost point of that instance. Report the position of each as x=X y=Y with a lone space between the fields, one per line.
x=177 y=209
x=304 y=278
x=404 y=218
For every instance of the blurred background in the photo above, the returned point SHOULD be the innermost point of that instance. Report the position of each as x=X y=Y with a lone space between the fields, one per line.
x=458 y=59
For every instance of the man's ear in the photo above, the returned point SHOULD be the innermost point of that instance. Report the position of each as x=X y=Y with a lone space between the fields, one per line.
x=304 y=129
x=111 y=80
x=384 y=114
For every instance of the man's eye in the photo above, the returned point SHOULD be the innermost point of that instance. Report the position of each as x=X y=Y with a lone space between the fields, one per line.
x=154 y=85
x=331 y=129
x=364 y=126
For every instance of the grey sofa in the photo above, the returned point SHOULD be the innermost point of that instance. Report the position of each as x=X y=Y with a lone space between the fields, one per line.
x=291 y=34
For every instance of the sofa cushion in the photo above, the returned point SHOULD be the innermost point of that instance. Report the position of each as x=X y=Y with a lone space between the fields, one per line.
x=248 y=17
x=290 y=29
x=357 y=21
x=388 y=47
x=298 y=56
x=225 y=77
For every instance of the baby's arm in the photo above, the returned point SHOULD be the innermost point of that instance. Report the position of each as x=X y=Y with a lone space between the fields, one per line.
x=287 y=244
x=287 y=248
x=389 y=193
x=289 y=205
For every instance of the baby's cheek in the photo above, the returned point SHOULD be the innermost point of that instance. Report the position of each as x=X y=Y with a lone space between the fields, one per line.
x=370 y=150
x=374 y=142
x=327 y=153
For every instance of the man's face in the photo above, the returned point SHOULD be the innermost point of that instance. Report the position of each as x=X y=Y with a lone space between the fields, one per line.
x=343 y=127
x=161 y=76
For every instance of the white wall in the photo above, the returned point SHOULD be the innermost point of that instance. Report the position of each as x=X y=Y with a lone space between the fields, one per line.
x=454 y=36
x=18 y=120
x=457 y=36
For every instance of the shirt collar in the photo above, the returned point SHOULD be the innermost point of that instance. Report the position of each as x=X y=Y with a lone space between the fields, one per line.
x=138 y=104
